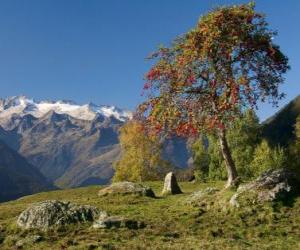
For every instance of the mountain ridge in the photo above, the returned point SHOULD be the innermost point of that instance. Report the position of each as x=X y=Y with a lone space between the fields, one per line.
x=69 y=150
x=279 y=128
x=18 y=177
x=22 y=105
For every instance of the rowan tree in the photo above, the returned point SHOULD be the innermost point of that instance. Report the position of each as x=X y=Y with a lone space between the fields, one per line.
x=208 y=76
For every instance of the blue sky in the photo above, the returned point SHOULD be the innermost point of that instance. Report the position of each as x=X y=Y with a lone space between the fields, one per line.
x=95 y=50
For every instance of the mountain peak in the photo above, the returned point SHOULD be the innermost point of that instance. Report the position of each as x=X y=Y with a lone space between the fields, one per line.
x=22 y=105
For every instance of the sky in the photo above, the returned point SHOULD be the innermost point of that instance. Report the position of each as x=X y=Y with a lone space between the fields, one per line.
x=95 y=50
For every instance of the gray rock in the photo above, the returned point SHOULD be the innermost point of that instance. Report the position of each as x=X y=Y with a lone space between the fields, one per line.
x=272 y=185
x=32 y=239
x=233 y=200
x=198 y=196
x=107 y=222
x=49 y=213
x=127 y=188
x=171 y=186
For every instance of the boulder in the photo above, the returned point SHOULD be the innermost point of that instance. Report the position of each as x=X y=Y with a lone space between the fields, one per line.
x=171 y=185
x=49 y=213
x=127 y=188
x=107 y=222
x=271 y=186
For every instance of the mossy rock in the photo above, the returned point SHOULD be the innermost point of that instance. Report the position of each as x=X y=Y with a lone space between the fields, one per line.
x=45 y=214
x=126 y=188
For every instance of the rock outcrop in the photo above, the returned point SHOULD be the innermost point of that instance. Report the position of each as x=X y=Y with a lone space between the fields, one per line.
x=125 y=188
x=49 y=213
x=270 y=186
x=171 y=186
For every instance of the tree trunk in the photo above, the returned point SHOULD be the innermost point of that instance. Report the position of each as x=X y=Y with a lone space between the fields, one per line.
x=229 y=163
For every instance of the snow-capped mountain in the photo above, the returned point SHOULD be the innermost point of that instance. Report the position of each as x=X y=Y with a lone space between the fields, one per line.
x=21 y=105
x=71 y=145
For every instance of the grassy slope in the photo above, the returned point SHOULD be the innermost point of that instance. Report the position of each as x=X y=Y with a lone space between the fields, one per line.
x=171 y=224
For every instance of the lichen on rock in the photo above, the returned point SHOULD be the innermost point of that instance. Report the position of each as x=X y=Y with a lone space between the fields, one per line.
x=45 y=214
x=127 y=188
x=272 y=185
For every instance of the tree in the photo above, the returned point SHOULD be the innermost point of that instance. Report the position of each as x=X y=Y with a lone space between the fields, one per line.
x=216 y=163
x=266 y=158
x=201 y=83
x=200 y=159
x=141 y=155
x=243 y=138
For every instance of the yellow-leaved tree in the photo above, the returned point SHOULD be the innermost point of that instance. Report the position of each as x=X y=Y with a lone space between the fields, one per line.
x=140 y=155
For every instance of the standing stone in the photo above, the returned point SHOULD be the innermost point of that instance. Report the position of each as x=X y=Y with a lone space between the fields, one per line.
x=171 y=185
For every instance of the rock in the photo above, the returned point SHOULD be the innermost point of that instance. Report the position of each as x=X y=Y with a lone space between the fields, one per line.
x=49 y=213
x=29 y=240
x=233 y=200
x=198 y=196
x=272 y=185
x=171 y=185
x=108 y=222
x=127 y=188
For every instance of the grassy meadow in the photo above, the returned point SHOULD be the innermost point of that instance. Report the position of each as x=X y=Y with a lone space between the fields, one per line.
x=171 y=223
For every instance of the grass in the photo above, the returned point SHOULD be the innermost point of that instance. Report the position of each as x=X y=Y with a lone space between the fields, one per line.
x=171 y=223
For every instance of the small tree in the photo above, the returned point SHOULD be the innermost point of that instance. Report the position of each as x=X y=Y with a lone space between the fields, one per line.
x=216 y=163
x=209 y=75
x=140 y=157
x=200 y=159
x=266 y=158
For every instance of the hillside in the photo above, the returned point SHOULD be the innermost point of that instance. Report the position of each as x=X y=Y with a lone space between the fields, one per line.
x=171 y=224
x=279 y=129
x=17 y=176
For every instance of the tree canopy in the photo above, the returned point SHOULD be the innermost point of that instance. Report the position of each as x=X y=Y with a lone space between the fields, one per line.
x=228 y=61
x=208 y=76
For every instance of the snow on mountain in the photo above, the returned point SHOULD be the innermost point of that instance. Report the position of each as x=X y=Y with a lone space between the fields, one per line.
x=21 y=105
